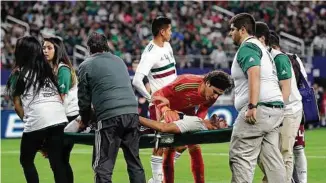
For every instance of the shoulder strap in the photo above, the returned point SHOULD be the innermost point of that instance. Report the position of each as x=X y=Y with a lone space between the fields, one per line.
x=296 y=68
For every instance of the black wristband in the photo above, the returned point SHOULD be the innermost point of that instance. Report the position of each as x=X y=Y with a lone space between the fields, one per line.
x=251 y=106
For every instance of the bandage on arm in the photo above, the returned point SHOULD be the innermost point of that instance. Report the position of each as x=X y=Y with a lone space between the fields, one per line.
x=137 y=82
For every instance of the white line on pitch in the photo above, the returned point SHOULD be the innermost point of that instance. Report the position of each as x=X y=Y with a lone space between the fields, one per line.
x=89 y=151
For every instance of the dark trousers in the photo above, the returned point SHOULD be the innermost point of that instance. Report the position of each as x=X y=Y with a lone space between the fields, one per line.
x=67 y=148
x=31 y=142
x=120 y=131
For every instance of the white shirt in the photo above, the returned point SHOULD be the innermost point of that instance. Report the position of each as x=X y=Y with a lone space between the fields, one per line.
x=269 y=85
x=44 y=110
x=294 y=104
x=158 y=64
x=71 y=99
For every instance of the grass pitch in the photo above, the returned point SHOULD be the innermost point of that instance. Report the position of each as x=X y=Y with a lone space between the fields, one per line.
x=215 y=157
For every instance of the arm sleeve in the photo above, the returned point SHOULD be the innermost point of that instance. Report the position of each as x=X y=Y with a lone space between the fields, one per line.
x=166 y=92
x=13 y=78
x=249 y=55
x=203 y=109
x=146 y=63
x=138 y=83
x=64 y=80
x=283 y=67
x=84 y=94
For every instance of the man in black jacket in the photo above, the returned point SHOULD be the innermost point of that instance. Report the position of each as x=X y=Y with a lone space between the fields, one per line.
x=104 y=82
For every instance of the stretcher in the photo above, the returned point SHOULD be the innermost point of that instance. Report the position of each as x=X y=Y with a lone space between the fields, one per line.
x=163 y=139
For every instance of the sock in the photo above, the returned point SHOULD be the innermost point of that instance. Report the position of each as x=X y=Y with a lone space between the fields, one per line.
x=300 y=165
x=176 y=156
x=168 y=165
x=197 y=163
x=157 y=170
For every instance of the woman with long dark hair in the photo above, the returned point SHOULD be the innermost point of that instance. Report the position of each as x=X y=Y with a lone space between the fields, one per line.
x=35 y=93
x=56 y=55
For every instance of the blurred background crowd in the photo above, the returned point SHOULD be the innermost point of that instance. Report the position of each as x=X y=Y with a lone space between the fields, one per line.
x=200 y=29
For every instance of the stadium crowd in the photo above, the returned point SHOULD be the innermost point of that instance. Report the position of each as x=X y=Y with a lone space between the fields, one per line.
x=198 y=27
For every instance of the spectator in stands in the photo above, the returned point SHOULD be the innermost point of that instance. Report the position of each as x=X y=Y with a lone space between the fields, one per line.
x=219 y=59
x=122 y=22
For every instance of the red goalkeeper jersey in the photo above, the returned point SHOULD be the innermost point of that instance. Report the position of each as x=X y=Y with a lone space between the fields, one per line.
x=184 y=95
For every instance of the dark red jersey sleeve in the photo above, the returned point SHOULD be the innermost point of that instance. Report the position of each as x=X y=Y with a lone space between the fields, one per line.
x=203 y=109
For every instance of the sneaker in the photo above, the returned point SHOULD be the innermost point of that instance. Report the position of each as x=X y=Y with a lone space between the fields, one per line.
x=151 y=180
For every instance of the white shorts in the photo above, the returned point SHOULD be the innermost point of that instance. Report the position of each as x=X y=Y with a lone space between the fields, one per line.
x=190 y=124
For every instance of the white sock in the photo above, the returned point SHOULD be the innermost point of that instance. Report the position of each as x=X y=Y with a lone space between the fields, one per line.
x=157 y=168
x=176 y=156
x=300 y=166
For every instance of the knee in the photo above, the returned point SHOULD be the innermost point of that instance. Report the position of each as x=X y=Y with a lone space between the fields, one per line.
x=298 y=152
x=194 y=148
x=56 y=164
x=180 y=149
x=26 y=163
x=158 y=152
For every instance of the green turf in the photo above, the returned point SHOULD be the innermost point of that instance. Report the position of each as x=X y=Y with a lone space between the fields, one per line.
x=215 y=157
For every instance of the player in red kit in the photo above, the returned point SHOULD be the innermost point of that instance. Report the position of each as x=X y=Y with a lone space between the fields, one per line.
x=185 y=94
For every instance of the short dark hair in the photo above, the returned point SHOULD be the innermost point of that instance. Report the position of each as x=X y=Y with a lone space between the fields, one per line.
x=160 y=23
x=219 y=79
x=244 y=20
x=262 y=29
x=274 y=39
x=97 y=43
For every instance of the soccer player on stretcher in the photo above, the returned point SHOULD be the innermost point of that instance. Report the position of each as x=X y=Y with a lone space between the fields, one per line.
x=184 y=124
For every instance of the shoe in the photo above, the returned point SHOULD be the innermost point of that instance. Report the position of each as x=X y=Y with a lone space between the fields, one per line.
x=151 y=180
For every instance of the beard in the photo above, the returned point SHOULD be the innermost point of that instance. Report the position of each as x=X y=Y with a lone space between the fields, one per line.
x=235 y=43
x=236 y=39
